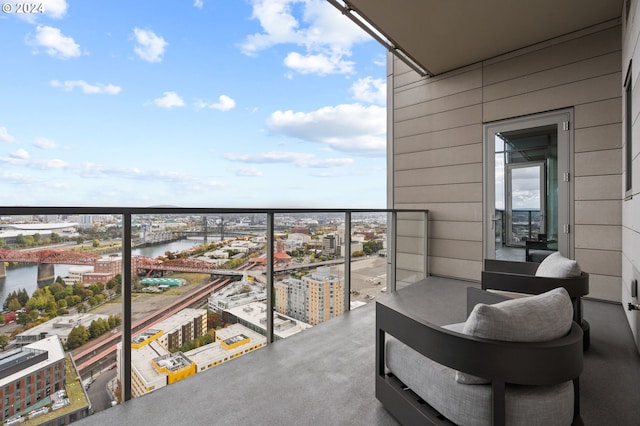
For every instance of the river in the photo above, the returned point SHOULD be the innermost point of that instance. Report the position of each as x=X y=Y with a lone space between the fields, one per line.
x=26 y=276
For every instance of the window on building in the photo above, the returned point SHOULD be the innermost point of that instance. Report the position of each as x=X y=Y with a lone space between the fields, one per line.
x=628 y=126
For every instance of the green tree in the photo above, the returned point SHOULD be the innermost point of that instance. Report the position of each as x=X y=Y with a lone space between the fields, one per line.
x=3 y=243
x=23 y=297
x=78 y=336
x=33 y=316
x=13 y=304
x=97 y=328
x=42 y=299
x=23 y=318
x=4 y=341
x=37 y=238
x=20 y=239
x=55 y=238
x=114 y=321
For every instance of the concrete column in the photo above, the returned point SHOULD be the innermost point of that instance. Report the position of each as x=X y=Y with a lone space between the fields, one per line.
x=3 y=270
x=46 y=272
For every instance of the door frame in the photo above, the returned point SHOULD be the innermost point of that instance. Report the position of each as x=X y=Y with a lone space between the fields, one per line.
x=563 y=119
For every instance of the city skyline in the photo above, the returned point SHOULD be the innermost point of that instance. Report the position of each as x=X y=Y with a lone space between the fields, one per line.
x=205 y=103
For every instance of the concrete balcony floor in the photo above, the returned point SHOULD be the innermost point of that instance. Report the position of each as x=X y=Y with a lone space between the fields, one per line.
x=325 y=375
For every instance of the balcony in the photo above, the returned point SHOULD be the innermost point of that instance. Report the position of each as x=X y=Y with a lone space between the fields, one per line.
x=325 y=375
x=407 y=247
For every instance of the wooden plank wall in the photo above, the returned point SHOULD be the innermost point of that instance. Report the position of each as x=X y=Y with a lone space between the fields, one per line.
x=438 y=146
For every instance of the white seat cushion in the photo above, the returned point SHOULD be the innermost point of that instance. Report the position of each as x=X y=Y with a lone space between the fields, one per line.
x=539 y=318
x=558 y=266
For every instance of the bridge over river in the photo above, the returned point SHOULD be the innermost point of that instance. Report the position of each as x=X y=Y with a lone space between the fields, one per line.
x=46 y=259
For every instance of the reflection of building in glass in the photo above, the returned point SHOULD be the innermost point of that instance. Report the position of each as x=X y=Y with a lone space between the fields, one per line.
x=313 y=299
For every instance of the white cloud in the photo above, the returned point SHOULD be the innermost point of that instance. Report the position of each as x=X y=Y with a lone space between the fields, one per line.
x=369 y=89
x=54 y=42
x=247 y=171
x=225 y=103
x=89 y=89
x=44 y=143
x=270 y=157
x=328 y=163
x=349 y=127
x=53 y=163
x=324 y=34
x=169 y=100
x=5 y=136
x=20 y=154
x=320 y=64
x=299 y=159
x=150 y=47
x=54 y=8
x=198 y=4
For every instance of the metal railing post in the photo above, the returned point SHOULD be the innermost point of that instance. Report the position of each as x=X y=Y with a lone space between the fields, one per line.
x=125 y=379
x=347 y=261
x=391 y=251
x=270 y=272
x=426 y=244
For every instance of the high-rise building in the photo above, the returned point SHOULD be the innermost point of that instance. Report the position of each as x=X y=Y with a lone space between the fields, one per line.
x=313 y=299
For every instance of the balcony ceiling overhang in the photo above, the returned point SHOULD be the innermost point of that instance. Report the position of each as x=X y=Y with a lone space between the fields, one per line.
x=442 y=35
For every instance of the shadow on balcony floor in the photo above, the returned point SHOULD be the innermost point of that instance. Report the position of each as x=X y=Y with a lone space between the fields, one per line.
x=325 y=376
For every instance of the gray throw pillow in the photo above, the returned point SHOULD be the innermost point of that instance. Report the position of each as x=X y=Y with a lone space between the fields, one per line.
x=558 y=266
x=539 y=318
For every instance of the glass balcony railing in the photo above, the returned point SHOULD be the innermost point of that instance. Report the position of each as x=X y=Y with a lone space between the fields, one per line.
x=514 y=229
x=141 y=298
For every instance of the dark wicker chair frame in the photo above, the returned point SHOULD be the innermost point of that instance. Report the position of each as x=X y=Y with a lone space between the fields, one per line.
x=519 y=277
x=544 y=363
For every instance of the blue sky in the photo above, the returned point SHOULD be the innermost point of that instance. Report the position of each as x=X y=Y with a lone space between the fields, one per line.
x=212 y=103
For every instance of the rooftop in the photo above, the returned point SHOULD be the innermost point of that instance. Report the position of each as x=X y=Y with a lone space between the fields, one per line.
x=254 y=313
x=50 y=346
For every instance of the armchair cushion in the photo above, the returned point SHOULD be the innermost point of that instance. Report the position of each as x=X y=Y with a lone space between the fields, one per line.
x=539 y=318
x=558 y=266
x=471 y=405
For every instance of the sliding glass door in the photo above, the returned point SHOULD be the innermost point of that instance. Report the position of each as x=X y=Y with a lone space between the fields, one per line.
x=528 y=190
